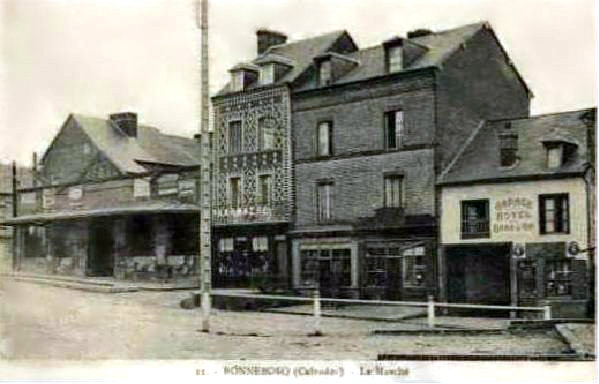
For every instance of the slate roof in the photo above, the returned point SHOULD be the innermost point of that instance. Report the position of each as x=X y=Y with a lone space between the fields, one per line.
x=438 y=46
x=479 y=159
x=300 y=54
x=434 y=49
x=150 y=145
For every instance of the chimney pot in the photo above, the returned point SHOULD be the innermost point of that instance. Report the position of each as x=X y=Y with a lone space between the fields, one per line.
x=266 y=38
x=126 y=121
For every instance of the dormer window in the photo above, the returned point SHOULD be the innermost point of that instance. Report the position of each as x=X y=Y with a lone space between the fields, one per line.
x=267 y=74
x=508 y=149
x=554 y=155
x=395 y=58
x=325 y=73
x=237 y=78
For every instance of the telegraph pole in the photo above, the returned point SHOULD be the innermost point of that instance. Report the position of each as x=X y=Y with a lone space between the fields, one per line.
x=206 y=185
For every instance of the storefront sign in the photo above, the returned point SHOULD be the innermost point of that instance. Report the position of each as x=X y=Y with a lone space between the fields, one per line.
x=141 y=188
x=187 y=187
x=48 y=198
x=513 y=214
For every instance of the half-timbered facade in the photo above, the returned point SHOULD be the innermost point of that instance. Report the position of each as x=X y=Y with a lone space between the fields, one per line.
x=111 y=198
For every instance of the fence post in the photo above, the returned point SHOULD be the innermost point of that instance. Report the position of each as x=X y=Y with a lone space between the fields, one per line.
x=317 y=330
x=548 y=312
x=431 y=312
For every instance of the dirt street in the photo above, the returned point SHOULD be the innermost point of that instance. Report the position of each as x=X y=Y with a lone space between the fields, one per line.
x=43 y=322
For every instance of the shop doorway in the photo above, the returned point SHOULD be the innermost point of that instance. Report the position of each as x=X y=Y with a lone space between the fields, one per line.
x=478 y=274
x=100 y=260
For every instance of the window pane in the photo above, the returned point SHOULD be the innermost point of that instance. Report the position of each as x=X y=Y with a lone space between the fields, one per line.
x=554 y=157
x=265 y=188
x=235 y=136
x=392 y=191
x=323 y=138
x=325 y=72
x=399 y=128
x=235 y=193
x=237 y=81
x=266 y=129
x=391 y=130
x=267 y=74
x=395 y=58
x=324 y=202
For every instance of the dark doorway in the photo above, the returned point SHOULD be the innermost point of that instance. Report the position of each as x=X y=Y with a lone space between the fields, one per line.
x=100 y=261
x=478 y=274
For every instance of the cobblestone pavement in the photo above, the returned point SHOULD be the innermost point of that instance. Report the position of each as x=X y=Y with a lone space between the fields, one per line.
x=55 y=323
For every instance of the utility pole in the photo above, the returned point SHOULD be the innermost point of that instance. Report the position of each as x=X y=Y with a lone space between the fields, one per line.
x=206 y=185
x=14 y=214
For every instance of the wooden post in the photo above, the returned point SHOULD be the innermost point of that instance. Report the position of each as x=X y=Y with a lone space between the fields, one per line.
x=15 y=200
x=547 y=312
x=431 y=312
x=317 y=313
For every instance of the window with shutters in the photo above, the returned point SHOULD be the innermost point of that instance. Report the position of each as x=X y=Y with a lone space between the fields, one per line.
x=554 y=214
x=324 y=201
x=324 y=136
x=393 y=191
x=394 y=129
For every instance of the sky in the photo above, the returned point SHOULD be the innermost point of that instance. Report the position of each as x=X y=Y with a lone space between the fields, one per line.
x=101 y=56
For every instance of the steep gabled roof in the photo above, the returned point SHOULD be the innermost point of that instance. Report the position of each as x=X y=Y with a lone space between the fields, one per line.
x=300 y=55
x=438 y=46
x=150 y=145
x=479 y=160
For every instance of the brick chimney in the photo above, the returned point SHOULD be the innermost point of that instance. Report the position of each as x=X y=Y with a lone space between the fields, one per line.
x=266 y=38
x=126 y=121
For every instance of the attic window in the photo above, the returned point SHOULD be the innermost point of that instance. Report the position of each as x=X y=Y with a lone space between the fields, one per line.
x=508 y=149
x=554 y=155
x=237 y=80
x=267 y=74
x=394 y=58
x=325 y=73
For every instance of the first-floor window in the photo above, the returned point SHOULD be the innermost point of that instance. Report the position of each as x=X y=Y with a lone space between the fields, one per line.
x=235 y=192
x=475 y=219
x=235 y=140
x=554 y=213
x=414 y=267
x=394 y=129
x=559 y=277
x=324 y=136
x=393 y=192
x=324 y=201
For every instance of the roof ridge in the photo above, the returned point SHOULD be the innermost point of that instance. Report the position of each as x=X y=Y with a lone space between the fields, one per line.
x=543 y=115
x=466 y=144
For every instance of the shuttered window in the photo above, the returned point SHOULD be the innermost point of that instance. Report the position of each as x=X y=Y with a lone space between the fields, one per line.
x=554 y=215
x=394 y=129
x=393 y=191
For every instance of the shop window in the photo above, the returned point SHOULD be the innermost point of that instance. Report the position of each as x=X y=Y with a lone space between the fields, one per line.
x=554 y=214
x=558 y=277
x=324 y=201
x=260 y=244
x=414 y=267
x=225 y=245
x=140 y=236
x=183 y=236
x=235 y=140
x=326 y=268
x=394 y=129
x=475 y=219
x=376 y=267
x=527 y=279
x=324 y=138
x=393 y=191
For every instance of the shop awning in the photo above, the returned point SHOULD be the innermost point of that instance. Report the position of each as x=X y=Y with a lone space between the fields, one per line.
x=149 y=208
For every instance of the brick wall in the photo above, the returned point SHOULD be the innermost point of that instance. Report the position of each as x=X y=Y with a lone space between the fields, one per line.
x=475 y=83
x=358 y=182
x=357 y=114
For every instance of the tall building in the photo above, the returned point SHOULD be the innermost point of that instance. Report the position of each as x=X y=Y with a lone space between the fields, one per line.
x=327 y=155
